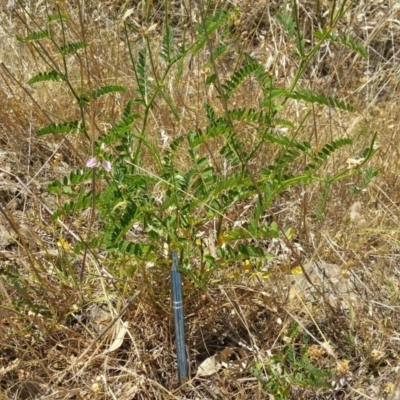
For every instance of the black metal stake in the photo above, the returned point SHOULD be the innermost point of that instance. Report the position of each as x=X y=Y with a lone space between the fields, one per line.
x=177 y=303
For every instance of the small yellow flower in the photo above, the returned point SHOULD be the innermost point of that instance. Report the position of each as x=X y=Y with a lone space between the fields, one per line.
x=63 y=244
x=296 y=270
x=246 y=266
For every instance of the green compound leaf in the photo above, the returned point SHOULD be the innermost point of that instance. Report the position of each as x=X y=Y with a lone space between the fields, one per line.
x=51 y=76
x=104 y=90
x=345 y=40
x=124 y=222
x=72 y=48
x=212 y=23
x=35 y=36
x=142 y=74
x=57 y=17
x=238 y=77
x=312 y=97
x=85 y=98
x=319 y=158
x=82 y=201
x=122 y=128
x=167 y=45
x=65 y=127
x=288 y=23
x=220 y=51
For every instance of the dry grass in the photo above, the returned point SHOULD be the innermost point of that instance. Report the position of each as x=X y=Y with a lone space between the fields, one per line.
x=352 y=255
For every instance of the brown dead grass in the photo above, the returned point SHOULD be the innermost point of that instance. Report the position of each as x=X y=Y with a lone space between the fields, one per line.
x=354 y=325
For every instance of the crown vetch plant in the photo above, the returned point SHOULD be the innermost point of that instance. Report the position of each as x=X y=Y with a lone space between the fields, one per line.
x=168 y=201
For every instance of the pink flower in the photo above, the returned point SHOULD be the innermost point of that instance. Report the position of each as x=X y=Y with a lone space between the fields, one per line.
x=106 y=165
x=93 y=163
